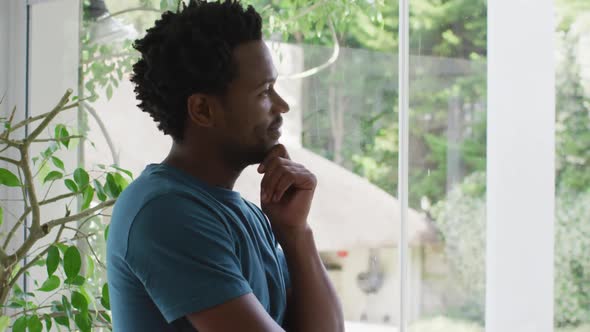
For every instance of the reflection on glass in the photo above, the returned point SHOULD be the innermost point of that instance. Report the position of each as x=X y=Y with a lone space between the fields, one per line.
x=448 y=163
x=339 y=75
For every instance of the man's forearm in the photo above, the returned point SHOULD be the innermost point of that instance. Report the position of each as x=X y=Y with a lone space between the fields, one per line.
x=314 y=305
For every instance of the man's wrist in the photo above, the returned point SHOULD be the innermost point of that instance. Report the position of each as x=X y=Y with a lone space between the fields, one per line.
x=289 y=237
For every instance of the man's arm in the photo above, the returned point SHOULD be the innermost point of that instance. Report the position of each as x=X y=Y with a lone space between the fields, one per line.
x=244 y=314
x=287 y=190
x=313 y=304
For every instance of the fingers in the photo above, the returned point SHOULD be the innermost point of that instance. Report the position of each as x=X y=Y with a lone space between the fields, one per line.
x=284 y=183
x=276 y=170
x=282 y=176
x=277 y=151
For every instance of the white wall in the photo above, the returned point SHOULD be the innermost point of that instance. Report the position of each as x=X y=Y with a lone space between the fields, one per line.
x=520 y=166
x=52 y=68
x=12 y=86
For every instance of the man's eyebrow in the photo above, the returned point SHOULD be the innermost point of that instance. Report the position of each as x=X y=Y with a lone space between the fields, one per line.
x=267 y=80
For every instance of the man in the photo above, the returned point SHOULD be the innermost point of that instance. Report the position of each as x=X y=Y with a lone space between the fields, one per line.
x=186 y=252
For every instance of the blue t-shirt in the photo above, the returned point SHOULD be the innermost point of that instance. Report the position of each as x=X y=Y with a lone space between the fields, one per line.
x=177 y=245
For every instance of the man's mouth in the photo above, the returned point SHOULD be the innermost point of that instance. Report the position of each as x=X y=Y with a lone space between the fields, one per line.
x=276 y=125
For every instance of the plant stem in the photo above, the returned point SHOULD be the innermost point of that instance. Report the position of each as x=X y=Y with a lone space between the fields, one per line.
x=50 y=224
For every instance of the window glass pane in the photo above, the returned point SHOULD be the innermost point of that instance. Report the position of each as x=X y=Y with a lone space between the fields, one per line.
x=572 y=227
x=447 y=164
x=338 y=72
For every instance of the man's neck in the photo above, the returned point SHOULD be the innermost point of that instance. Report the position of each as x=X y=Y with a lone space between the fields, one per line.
x=204 y=165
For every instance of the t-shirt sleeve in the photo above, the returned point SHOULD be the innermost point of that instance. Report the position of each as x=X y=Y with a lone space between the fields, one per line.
x=184 y=256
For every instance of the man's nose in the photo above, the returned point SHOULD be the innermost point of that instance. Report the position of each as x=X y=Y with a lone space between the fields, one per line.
x=281 y=105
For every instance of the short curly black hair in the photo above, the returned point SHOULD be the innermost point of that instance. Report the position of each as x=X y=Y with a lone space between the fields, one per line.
x=190 y=52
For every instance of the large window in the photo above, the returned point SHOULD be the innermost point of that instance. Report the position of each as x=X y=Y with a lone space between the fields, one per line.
x=338 y=67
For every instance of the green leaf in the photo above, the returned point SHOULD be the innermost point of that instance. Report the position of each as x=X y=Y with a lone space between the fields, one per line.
x=106 y=316
x=52 y=260
x=67 y=306
x=58 y=163
x=58 y=308
x=62 y=320
x=50 y=284
x=20 y=324
x=121 y=182
x=39 y=262
x=70 y=184
x=81 y=177
x=43 y=170
x=106 y=232
x=83 y=321
x=16 y=304
x=163 y=5
x=52 y=176
x=72 y=262
x=8 y=179
x=105 y=300
x=18 y=292
x=129 y=174
x=77 y=281
x=34 y=324
x=87 y=197
x=89 y=267
x=79 y=301
x=1 y=217
x=48 y=322
x=60 y=133
x=99 y=191
x=62 y=247
x=109 y=92
x=4 y=322
x=112 y=187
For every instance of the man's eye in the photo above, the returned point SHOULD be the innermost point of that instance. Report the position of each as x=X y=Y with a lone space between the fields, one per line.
x=266 y=91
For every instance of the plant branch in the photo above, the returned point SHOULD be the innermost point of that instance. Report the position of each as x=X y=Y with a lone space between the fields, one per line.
x=9 y=142
x=49 y=117
x=57 y=198
x=16 y=225
x=30 y=190
x=3 y=257
x=58 y=139
x=32 y=262
x=56 y=222
x=39 y=117
x=86 y=238
x=9 y=160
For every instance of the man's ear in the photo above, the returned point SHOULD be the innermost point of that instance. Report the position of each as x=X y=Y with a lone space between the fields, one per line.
x=200 y=110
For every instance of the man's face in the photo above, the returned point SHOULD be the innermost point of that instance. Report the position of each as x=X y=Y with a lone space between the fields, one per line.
x=251 y=108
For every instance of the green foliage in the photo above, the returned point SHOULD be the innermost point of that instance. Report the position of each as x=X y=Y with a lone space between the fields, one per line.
x=572 y=266
x=8 y=178
x=573 y=122
x=4 y=322
x=460 y=219
x=69 y=269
